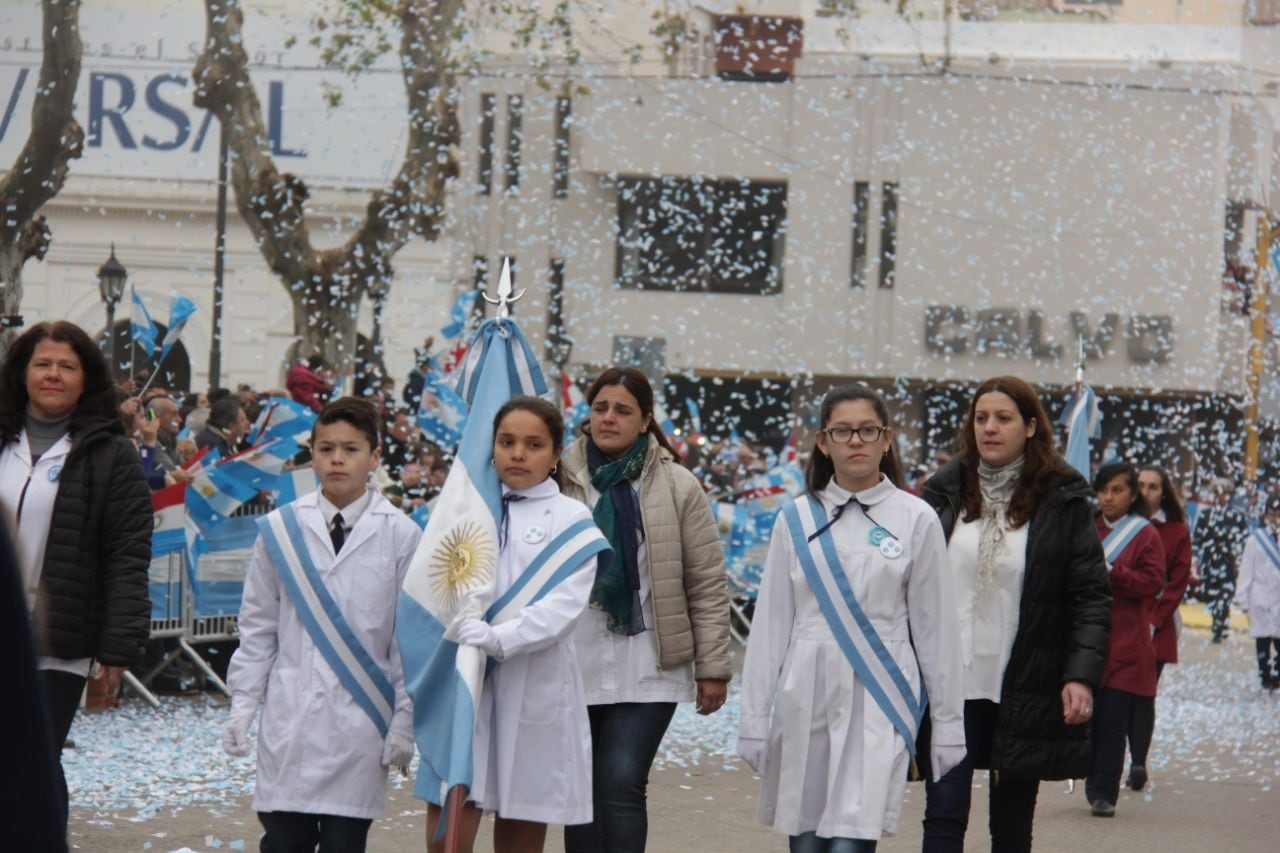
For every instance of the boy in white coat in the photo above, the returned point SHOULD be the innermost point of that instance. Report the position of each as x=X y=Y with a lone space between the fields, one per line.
x=335 y=714
x=1258 y=592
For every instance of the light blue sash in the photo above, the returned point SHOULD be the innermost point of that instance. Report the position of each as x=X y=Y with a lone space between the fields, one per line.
x=324 y=622
x=560 y=558
x=853 y=631
x=1268 y=546
x=1121 y=535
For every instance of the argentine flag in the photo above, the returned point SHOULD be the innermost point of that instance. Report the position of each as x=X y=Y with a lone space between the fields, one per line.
x=444 y=420
x=452 y=574
x=1084 y=421
x=180 y=309
x=141 y=326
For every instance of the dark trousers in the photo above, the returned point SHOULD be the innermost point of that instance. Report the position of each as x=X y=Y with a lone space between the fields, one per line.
x=624 y=739
x=809 y=842
x=1268 y=661
x=297 y=832
x=1012 y=801
x=1219 y=606
x=1142 y=724
x=62 y=692
x=1110 y=728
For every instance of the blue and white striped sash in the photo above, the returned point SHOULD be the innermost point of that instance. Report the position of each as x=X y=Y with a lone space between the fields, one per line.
x=1121 y=535
x=1268 y=546
x=338 y=644
x=558 y=560
x=853 y=631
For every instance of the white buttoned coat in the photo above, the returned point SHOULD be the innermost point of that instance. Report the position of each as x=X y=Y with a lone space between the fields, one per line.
x=318 y=752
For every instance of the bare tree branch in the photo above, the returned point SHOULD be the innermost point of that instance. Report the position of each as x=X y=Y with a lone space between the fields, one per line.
x=41 y=168
x=326 y=286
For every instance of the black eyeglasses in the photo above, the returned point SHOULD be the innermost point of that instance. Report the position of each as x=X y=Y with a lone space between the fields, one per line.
x=844 y=434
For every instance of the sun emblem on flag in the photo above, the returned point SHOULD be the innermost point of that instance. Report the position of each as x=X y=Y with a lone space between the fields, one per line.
x=463 y=560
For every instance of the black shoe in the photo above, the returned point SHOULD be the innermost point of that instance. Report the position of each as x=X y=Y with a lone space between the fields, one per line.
x=1101 y=808
x=1137 y=777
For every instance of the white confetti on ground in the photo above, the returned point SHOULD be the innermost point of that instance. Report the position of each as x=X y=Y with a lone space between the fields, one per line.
x=1213 y=724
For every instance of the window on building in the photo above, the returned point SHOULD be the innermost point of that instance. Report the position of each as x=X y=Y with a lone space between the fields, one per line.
x=861 y=214
x=484 y=174
x=560 y=168
x=515 y=133
x=699 y=234
x=558 y=343
x=888 y=234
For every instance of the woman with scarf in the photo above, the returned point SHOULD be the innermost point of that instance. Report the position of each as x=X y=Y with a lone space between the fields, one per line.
x=656 y=631
x=1035 y=613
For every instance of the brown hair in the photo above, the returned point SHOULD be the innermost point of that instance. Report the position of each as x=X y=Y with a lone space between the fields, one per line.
x=638 y=385
x=358 y=412
x=1170 y=498
x=820 y=469
x=1111 y=471
x=549 y=415
x=97 y=399
x=1041 y=458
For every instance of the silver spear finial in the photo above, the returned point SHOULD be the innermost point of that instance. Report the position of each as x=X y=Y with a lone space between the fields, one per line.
x=505 y=296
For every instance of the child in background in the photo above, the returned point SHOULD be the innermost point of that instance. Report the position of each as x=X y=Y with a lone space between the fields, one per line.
x=532 y=742
x=317 y=647
x=1258 y=592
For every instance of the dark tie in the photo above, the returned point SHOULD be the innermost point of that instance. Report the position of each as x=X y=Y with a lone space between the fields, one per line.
x=507 y=500
x=337 y=533
x=835 y=516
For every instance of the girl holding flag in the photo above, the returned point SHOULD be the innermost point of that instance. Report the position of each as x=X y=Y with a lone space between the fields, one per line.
x=1258 y=592
x=1136 y=569
x=855 y=606
x=532 y=739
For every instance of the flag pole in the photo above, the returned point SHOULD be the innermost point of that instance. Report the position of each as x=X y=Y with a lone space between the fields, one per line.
x=154 y=374
x=453 y=817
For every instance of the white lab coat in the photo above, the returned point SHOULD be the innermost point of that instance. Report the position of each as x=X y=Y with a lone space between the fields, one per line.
x=835 y=764
x=1258 y=589
x=318 y=752
x=532 y=743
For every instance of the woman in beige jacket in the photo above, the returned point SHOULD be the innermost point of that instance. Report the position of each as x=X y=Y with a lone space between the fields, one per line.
x=657 y=629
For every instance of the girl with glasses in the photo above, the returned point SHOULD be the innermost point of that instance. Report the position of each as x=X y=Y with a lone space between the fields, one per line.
x=855 y=616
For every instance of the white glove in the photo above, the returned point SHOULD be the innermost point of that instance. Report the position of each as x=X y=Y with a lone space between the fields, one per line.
x=397 y=750
x=754 y=750
x=943 y=758
x=235 y=736
x=475 y=632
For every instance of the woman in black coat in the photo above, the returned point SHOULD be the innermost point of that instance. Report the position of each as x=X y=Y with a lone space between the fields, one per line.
x=1031 y=585
x=74 y=497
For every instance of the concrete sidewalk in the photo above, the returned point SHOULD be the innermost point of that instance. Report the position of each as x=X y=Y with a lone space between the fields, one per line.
x=1215 y=786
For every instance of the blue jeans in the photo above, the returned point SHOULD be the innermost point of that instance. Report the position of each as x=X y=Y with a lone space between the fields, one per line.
x=809 y=842
x=946 y=808
x=296 y=832
x=624 y=740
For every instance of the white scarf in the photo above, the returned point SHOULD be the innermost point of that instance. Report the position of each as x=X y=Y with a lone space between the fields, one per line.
x=996 y=485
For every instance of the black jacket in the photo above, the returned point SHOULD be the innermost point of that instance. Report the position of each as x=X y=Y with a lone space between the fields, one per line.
x=1063 y=628
x=92 y=600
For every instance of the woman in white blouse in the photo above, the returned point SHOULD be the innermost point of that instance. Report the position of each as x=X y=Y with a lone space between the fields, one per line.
x=1035 y=612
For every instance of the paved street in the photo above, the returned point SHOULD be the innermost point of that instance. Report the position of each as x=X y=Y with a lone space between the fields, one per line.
x=1215 y=769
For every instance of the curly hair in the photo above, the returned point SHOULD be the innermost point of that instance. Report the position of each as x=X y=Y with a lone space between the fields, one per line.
x=1041 y=458
x=97 y=401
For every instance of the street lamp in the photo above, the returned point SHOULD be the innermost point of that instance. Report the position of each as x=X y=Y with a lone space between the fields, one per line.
x=111 y=276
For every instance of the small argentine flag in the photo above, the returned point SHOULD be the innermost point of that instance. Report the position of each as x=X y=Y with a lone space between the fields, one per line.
x=452 y=574
x=1084 y=421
